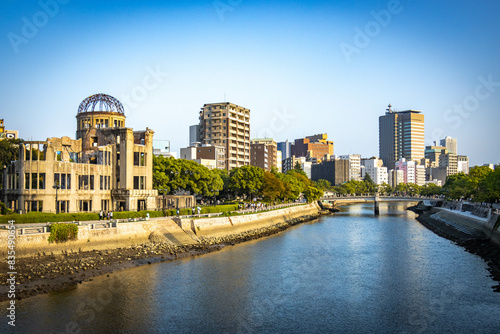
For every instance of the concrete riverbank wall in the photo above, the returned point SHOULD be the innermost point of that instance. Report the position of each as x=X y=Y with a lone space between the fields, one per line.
x=125 y=234
x=488 y=226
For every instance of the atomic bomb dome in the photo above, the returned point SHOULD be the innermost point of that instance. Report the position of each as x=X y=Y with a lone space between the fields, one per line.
x=100 y=103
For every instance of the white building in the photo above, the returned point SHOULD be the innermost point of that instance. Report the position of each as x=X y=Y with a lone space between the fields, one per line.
x=373 y=168
x=463 y=164
x=409 y=170
x=420 y=175
x=354 y=166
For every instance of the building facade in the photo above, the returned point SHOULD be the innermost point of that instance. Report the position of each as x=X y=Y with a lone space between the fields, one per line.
x=227 y=124
x=263 y=153
x=336 y=171
x=285 y=148
x=450 y=144
x=354 y=166
x=313 y=147
x=107 y=167
x=374 y=168
x=401 y=135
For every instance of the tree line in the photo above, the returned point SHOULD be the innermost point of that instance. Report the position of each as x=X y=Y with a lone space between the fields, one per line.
x=246 y=182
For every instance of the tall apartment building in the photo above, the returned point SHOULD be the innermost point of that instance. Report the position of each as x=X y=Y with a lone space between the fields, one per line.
x=313 y=147
x=263 y=153
x=450 y=144
x=107 y=166
x=354 y=166
x=401 y=135
x=227 y=124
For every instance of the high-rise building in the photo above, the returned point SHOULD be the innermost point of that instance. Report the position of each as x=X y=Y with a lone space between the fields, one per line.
x=227 y=124
x=450 y=144
x=401 y=135
x=313 y=147
x=285 y=148
x=263 y=153
x=354 y=166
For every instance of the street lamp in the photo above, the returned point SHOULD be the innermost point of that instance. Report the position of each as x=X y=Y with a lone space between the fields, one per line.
x=56 y=187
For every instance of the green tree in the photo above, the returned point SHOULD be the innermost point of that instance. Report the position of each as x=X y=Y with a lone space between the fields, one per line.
x=247 y=181
x=323 y=184
x=272 y=188
x=170 y=175
x=312 y=194
x=385 y=189
x=430 y=189
x=489 y=187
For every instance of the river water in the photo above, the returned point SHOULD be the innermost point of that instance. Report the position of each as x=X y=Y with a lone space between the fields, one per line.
x=348 y=273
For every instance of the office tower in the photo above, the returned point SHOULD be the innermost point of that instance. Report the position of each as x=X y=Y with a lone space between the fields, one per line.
x=401 y=135
x=450 y=144
x=286 y=149
x=227 y=124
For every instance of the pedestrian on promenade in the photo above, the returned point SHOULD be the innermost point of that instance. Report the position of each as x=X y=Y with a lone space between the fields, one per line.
x=100 y=215
x=178 y=212
x=111 y=215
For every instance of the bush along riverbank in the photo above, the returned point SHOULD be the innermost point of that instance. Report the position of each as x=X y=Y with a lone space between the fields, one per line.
x=477 y=245
x=44 y=273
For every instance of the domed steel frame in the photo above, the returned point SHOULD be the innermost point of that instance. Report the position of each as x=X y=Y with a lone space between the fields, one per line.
x=101 y=102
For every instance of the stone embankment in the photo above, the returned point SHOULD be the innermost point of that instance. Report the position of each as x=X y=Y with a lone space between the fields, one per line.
x=478 y=236
x=59 y=268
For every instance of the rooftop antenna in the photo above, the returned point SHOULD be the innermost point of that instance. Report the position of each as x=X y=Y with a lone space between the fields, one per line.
x=389 y=110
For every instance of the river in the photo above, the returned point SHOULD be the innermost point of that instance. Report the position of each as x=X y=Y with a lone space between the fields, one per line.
x=351 y=272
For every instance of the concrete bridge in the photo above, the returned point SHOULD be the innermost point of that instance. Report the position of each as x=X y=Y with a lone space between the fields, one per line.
x=337 y=200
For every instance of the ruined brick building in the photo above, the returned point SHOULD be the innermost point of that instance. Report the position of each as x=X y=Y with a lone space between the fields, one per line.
x=107 y=167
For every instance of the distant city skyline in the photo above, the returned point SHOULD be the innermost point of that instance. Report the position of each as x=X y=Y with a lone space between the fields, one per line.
x=302 y=68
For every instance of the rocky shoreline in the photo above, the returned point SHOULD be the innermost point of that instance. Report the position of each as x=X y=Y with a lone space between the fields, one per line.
x=49 y=272
x=481 y=247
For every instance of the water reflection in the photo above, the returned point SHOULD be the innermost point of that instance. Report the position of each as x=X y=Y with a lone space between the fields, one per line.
x=351 y=272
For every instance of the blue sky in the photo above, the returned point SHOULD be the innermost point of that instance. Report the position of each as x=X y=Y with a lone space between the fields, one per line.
x=301 y=67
